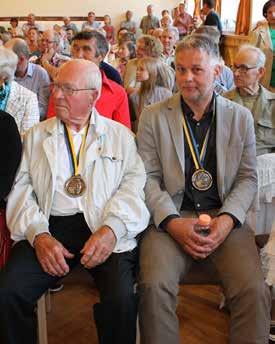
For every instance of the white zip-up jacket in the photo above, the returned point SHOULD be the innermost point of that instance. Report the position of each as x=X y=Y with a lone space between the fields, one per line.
x=114 y=175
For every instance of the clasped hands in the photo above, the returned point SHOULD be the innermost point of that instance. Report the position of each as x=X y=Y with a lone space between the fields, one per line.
x=52 y=254
x=200 y=247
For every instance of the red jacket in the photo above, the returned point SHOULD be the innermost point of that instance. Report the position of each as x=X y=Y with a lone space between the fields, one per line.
x=113 y=102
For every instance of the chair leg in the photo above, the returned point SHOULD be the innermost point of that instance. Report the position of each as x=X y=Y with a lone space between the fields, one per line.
x=138 y=333
x=42 y=320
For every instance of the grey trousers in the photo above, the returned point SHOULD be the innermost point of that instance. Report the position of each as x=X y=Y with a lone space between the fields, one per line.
x=163 y=265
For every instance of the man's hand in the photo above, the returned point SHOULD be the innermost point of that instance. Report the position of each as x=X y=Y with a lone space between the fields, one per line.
x=98 y=247
x=220 y=227
x=182 y=230
x=51 y=255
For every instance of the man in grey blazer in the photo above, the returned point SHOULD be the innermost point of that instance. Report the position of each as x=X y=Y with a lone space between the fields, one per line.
x=181 y=184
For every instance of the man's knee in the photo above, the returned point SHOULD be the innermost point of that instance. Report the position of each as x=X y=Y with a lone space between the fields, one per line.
x=254 y=291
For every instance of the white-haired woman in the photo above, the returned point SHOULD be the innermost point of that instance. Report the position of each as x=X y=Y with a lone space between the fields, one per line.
x=15 y=99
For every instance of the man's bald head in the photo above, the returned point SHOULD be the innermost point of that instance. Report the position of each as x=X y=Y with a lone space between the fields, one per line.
x=19 y=46
x=83 y=71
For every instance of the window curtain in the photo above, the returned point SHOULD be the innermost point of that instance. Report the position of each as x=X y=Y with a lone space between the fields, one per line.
x=197 y=8
x=218 y=6
x=243 y=17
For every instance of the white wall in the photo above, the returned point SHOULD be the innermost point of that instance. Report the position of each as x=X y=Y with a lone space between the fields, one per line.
x=115 y=8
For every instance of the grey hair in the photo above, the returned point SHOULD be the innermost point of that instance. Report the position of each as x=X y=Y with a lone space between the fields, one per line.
x=20 y=47
x=174 y=30
x=200 y=42
x=8 y=63
x=251 y=48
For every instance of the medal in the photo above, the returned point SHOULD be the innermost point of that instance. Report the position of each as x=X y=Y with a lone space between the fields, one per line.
x=75 y=186
x=202 y=180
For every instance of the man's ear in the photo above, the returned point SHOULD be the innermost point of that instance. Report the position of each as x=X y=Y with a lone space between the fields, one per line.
x=261 y=72
x=93 y=97
x=217 y=70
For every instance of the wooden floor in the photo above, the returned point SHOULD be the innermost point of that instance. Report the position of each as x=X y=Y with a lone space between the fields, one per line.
x=70 y=320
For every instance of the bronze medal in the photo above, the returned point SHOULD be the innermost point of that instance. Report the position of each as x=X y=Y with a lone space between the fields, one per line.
x=75 y=186
x=202 y=180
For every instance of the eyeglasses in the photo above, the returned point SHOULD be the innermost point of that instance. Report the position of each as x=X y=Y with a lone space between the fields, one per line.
x=46 y=41
x=67 y=90
x=243 y=69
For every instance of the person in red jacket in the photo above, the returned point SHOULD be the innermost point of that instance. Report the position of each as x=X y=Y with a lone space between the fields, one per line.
x=113 y=101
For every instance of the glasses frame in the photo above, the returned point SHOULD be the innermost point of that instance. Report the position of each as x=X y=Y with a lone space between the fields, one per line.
x=243 y=69
x=68 y=90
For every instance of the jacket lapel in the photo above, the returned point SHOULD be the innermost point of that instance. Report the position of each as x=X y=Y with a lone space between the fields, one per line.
x=50 y=149
x=224 y=115
x=174 y=118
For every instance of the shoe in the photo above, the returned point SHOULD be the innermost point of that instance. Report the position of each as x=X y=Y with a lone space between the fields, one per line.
x=272 y=334
x=57 y=287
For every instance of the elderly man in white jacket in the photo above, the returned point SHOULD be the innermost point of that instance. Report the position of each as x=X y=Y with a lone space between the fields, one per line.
x=78 y=197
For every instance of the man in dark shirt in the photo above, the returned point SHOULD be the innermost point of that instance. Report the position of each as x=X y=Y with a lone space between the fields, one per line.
x=212 y=17
x=199 y=155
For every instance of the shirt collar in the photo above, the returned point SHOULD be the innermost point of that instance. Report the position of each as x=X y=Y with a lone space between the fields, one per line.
x=91 y=123
x=189 y=113
x=30 y=70
x=105 y=81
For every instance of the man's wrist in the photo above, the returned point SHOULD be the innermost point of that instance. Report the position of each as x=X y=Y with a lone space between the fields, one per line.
x=164 y=224
x=236 y=222
x=39 y=236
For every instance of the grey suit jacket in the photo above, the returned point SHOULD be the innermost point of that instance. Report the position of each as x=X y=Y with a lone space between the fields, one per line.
x=264 y=118
x=161 y=146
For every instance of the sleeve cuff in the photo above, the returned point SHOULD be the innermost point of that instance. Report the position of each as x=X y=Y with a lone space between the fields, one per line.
x=235 y=220
x=117 y=226
x=36 y=229
x=163 y=225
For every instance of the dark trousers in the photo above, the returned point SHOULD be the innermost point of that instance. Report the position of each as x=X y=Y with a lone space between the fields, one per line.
x=23 y=281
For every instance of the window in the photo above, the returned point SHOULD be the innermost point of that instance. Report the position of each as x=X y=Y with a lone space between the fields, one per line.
x=229 y=10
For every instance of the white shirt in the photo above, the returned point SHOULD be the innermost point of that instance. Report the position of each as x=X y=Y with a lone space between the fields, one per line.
x=63 y=204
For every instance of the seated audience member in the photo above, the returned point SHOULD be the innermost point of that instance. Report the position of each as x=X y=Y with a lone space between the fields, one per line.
x=10 y=151
x=70 y=34
x=219 y=179
x=165 y=14
x=248 y=72
x=264 y=38
x=109 y=29
x=146 y=46
x=113 y=101
x=150 y=21
x=153 y=87
x=225 y=81
x=69 y=25
x=211 y=17
x=51 y=57
x=182 y=20
x=156 y=32
x=167 y=23
x=30 y=24
x=64 y=43
x=109 y=71
x=6 y=36
x=14 y=28
x=91 y=23
x=30 y=75
x=129 y=24
x=15 y=99
x=126 y=52
x=89 y=215
x=33 y=42
x=168 y=40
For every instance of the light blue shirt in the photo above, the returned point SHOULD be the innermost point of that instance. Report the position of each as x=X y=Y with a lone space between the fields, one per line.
x=37 y=80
